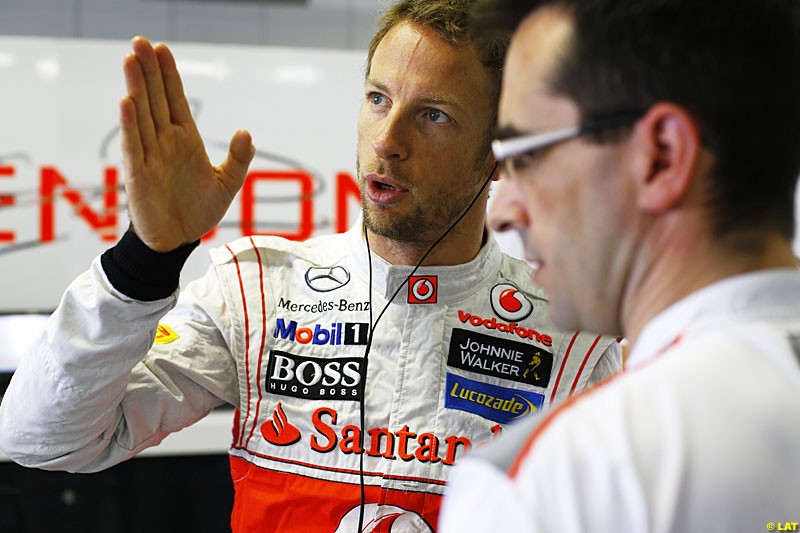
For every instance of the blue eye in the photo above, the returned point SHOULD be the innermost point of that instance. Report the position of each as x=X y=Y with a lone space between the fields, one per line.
x=437 y=116
x=376 y=99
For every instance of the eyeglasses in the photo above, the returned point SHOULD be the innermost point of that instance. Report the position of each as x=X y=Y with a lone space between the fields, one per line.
x=516 y=153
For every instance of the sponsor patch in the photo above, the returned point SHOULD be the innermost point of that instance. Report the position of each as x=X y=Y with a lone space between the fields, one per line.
x=278 y=431
x=165 y=334
x=422 y=289
x=383 y=518
x=326 y=279
x=501 y=358
x=314 y=378
x=499 y=404
x=338 y=333
x=512 y=329
x=509 y=303
x=333 y=434
x=321 y=306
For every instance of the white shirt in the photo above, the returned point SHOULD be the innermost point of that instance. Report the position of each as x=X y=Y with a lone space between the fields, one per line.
x=700 y=433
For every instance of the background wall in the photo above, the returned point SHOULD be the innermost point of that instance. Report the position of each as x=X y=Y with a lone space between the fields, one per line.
x=339 y=24
x=344 y=24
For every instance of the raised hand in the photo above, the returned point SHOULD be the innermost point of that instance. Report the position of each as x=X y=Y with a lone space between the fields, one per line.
x=175 y=194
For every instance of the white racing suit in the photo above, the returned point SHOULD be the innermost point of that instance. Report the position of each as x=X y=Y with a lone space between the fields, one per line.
x=279 y=329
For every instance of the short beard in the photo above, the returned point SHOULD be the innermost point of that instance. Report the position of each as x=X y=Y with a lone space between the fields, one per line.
x=424 y=224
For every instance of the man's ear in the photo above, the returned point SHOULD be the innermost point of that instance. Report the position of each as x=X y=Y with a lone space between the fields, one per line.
x=668 y=143
x=494 y=168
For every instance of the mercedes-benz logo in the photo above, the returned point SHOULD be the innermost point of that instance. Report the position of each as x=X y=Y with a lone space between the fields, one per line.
x=326 y=279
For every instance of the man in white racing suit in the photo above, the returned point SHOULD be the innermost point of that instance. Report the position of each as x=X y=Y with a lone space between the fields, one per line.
x=306 y=338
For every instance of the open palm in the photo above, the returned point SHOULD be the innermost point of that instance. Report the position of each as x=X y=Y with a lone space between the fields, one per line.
x=175 y=194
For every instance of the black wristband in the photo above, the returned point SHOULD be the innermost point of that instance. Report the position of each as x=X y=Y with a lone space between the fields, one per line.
x=141 y=273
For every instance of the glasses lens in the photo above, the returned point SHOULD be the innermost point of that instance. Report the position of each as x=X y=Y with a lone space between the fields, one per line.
x=510 y=167
x=516 y=166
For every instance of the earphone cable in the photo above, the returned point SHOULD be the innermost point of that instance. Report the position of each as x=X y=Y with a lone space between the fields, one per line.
x=373 y=325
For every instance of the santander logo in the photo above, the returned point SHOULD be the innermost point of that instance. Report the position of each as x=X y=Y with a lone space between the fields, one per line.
x=278 y=430
x=509 y=303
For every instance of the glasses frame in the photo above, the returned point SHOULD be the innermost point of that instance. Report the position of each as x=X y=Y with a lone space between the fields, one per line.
x=505 y=150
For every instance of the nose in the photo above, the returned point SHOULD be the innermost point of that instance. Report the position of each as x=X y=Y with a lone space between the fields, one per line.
x=391 y=137
x=506 y=211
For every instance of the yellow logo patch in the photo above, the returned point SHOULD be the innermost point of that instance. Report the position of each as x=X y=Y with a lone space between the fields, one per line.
x=165 y=334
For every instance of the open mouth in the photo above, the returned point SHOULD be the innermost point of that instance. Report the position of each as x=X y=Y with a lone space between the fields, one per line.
x=384 y=190
x=384 y=186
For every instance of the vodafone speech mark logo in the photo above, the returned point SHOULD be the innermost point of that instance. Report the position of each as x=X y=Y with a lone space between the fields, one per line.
x=388 y=518
x=509 y=303
x=278 y=430
x=422 y=289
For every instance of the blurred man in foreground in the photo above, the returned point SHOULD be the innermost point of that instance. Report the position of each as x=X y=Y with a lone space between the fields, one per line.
x=653 y=152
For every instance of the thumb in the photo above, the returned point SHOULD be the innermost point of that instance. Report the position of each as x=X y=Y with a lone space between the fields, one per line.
x=240 y=154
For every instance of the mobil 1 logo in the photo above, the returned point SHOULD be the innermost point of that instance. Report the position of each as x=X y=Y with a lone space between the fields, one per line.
x=314 y=378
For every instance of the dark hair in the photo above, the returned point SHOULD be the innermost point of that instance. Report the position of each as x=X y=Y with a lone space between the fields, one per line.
x=452 y=21
x=734 y=65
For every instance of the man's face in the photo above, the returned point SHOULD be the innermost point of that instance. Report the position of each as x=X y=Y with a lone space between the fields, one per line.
x=422 y=134
x=569 y=202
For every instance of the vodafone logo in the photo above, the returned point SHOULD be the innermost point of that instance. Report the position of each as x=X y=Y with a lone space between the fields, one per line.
x=509 y=303
x=422 y=289
x=278 y=430
x=388 y=518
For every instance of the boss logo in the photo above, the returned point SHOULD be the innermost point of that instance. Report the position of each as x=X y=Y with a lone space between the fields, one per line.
x=314 y=378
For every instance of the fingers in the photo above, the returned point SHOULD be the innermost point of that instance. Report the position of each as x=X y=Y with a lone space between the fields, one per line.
x=240 y=154
x=133 y=154
x=154 y=82
x=139 y=102
x=179 y=109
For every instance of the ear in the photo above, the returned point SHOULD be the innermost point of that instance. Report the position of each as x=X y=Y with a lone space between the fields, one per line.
x=669 y=145
x=493 y=167
x=496 y=170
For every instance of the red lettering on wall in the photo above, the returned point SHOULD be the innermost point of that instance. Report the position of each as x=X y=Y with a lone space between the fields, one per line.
x=346 y=188
x=105 y=223
x=6 y=200
x=104 y=218
x=210 y=235
x=306 y=200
